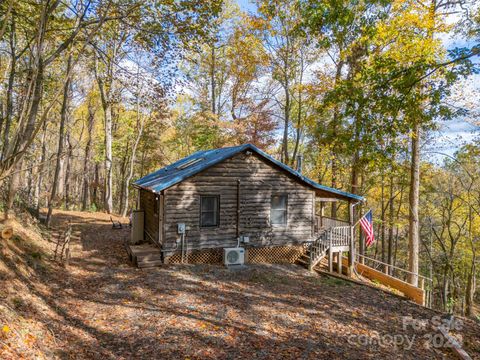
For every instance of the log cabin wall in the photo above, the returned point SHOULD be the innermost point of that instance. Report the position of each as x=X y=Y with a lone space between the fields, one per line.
x=147 y=204
x=258 y=182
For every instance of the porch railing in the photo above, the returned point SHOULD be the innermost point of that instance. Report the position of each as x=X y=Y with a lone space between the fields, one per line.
x=327 y=239
x=326 y=222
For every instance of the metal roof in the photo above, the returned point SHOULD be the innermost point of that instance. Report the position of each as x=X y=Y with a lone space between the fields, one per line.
x=182 y=169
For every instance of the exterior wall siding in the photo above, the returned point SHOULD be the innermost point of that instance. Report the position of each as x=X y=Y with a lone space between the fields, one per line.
x=258 y=182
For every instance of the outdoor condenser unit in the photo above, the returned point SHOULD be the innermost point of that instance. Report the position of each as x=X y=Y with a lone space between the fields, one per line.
x=233 y=256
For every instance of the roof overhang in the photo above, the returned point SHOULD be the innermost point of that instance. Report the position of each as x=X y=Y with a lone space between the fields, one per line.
x=170 y=175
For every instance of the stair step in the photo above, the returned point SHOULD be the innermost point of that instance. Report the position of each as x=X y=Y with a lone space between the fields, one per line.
x=302 y=261
x=147 y=264
x=149 y=257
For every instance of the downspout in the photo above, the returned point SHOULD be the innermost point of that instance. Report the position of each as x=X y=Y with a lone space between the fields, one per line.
x=351 y=255
x=238 y=212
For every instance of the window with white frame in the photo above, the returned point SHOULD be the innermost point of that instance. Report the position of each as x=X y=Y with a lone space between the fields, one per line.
x=278 y=210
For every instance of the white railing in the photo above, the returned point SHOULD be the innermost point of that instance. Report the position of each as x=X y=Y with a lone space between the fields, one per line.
x=340 y=236
x=325 y=222
x=328 y=239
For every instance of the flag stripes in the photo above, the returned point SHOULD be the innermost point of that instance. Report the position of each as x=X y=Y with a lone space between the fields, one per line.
x=366 y=222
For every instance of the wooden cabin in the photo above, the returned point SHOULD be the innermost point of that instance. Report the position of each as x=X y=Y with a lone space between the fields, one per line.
x=234 y=197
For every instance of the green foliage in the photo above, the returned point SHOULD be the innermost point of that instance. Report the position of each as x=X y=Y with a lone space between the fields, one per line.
x=18 y=303
x=36 y=255
x=342 y=82
x=333 y=281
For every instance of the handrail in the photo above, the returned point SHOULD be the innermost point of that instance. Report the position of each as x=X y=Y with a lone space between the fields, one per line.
x=328 y=238
x=428 y=299
x=394 y=267
x=328 y=222
x=332 y=218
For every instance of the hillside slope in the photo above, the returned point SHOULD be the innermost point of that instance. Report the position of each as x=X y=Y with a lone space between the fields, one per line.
x=102 y=307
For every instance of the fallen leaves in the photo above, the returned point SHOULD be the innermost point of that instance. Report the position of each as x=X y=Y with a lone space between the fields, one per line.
x=5 y=329
x=105 y=308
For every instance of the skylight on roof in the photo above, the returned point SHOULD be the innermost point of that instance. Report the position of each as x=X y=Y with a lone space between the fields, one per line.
x=189 y=163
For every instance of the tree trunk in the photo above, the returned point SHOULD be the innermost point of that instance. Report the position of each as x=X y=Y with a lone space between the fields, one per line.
x=123 y=179
x=212 y=79
x=105 y=89
x=299 y=112
x=413 y=236
x=86 y=163
x=68 y=172
x=96 y=181
x=391 y=209
x=14 y=164
x=356 y=166
x=334 y=183
x=108 y=160
x=470 y=291
x=445 y=288
x=12 y=189
x=40 y=170
x=471 y=281
x=286 y=115
x=61 y=142
x=382 y=218
x=9 y=99
x=334 y=125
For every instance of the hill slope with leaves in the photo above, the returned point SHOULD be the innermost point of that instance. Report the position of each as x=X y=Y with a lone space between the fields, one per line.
x=101 y=306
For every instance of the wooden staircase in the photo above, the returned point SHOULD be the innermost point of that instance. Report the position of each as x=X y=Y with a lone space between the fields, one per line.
x=321 y=264
x=144 y=255
x=329 y=242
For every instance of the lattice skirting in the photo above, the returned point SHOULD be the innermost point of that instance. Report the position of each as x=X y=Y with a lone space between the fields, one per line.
x=206 y=256
x=275 y=255
x=254 y=255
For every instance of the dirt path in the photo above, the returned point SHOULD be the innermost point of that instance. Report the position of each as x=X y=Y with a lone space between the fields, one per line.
x=101 y=307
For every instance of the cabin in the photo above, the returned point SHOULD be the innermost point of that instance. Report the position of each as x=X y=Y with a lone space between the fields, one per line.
x=235 y=197
x=238 y=205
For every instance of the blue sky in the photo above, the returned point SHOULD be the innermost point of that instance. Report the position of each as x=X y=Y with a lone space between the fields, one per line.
x=246 y=5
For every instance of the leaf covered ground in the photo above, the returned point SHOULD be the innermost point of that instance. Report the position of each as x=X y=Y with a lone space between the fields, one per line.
x=100 y=306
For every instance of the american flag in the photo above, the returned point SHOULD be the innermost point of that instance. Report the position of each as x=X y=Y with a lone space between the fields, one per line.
x=366 y=222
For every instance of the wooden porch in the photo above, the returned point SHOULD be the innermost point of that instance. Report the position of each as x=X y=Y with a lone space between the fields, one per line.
x=331 y=243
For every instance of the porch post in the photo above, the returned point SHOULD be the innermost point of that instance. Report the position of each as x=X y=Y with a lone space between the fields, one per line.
x=339 y=259
x=351 y=253
x=322 y=214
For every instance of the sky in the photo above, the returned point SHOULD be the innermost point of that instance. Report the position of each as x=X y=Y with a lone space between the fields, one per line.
x=466 y=93
x=455 y=133
x=246 y=5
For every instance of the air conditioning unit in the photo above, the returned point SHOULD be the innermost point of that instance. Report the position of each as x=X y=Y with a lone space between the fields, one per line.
x=233 y=256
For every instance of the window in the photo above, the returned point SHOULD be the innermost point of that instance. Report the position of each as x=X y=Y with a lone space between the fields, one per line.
x=209 y=211
x=278 y=211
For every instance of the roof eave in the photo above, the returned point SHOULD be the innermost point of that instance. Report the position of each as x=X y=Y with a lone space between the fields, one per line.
x=338 y=194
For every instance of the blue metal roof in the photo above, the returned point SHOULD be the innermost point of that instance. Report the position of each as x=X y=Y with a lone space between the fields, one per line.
x=178 y=171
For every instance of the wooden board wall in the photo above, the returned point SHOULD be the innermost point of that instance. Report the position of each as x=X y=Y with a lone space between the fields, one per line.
x=259 y=181
x=147 y=204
